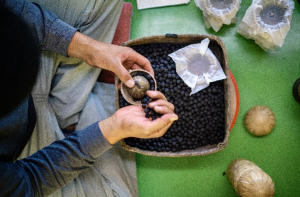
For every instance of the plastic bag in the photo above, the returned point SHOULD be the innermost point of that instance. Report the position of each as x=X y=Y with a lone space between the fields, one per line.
x=267 y=22
x=216 y=12
x=197 y=66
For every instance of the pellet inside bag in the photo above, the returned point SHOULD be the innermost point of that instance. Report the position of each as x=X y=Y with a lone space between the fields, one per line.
x=267 y=22
x=197 y=66
x=217 y=12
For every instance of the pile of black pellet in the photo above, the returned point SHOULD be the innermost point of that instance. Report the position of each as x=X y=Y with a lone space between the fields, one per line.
x=201 y=115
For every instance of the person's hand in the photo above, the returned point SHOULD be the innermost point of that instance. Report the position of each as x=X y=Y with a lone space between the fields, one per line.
x=111 y=57
x=130 y=121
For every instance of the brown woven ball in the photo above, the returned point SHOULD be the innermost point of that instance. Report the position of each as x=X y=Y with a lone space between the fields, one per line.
x=260 y=120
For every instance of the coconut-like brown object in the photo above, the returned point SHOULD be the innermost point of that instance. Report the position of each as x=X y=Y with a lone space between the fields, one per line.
x=140 y=88
x=135 y=94
x=260 y=120
x=249 y=180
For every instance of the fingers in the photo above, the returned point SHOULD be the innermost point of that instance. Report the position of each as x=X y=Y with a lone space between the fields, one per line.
x=141 y=62
x=162 y=131
x=135 y=66
x=132 y=60
x=162 y=106
x=160 y=103
x=156 y=95
x=161 y=125
x=163 y=109
x=125 y=77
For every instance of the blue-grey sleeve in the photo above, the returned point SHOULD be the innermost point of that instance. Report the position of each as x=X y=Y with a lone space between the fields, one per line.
x=53 y=34
x=54 y=166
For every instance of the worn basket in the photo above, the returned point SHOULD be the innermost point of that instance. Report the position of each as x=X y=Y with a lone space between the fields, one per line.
x=218 y=48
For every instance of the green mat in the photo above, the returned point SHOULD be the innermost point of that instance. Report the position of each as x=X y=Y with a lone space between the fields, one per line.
x=263 y=78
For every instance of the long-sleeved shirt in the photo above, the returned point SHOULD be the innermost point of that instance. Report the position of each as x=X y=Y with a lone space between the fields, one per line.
x=55 y=165
x=53 y=34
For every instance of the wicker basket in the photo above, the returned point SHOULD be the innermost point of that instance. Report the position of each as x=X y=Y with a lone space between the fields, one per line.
x=218 y=48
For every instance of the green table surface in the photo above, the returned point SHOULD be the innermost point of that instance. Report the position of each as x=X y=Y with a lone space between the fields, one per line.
x=263 y=78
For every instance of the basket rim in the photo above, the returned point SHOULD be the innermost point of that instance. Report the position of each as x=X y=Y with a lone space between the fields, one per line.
x=182 y=38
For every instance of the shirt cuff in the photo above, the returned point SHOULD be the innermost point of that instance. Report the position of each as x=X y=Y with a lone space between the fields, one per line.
x=59 y=36
x=94 y=141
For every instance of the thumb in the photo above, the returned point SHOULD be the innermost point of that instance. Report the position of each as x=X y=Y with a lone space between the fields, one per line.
x=163 y=121
x=162 y=124
x=125 y=77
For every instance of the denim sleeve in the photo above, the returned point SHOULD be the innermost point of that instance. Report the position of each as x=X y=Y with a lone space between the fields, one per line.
x=53 y=34
x=53 y=166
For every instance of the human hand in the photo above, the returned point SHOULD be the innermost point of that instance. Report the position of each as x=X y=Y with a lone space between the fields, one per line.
x=111 y=57
x=130 y=121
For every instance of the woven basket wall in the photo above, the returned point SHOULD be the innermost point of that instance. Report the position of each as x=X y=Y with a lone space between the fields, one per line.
x=218 y=48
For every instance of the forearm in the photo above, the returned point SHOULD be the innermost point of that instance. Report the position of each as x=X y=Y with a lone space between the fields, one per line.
x=55 y=165
x=83 y=47
x=94 y=53
x=110 y=130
